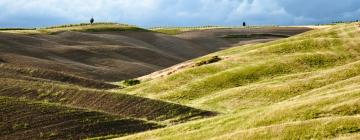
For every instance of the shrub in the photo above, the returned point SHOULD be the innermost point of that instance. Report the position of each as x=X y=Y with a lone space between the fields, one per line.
x=209 y=61
x=131 y=82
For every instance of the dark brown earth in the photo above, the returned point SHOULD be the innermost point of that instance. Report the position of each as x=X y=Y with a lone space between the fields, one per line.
x=108 y=102
x=24 y=120
x=115 y=56
x=63 y=107
x=215 y=39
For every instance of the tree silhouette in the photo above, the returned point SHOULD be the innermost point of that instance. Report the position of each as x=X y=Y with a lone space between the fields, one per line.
x=244 y=24
x=92 y=20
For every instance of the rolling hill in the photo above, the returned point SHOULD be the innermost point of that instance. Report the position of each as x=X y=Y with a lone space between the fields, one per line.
x=105 y=51
x=302 y=87
x=45 y=104
x=55 y=83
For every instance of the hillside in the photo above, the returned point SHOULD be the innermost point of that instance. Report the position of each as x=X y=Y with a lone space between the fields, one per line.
x=61 y=77
x=302 y=87
x=21 y=119
x=112 y=103
x=105 y=51
x=50 y=86
x=44 y=104
x=226 y=37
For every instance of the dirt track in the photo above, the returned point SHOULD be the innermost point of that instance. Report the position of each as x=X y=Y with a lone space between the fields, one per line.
x=114 y=56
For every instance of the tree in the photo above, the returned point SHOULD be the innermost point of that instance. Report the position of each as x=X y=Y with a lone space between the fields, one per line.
x=244 y=24
x=92 y=20
x=131 y=82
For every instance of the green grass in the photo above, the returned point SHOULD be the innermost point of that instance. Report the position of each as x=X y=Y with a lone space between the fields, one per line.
x=302 y=87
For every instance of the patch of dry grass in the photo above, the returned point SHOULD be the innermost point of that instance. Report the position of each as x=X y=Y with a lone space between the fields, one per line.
x=303 y=87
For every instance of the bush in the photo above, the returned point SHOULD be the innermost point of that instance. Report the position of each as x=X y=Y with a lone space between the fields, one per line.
x=209 y=61
x=131 y=82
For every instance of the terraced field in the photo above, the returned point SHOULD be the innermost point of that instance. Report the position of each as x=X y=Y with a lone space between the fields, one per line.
x=303 y=87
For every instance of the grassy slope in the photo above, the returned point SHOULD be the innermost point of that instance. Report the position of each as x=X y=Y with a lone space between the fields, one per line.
x=282 y=89
x=76 y=27
x=21 y=119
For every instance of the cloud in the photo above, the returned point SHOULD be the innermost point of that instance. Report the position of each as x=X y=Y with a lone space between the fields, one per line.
x=47 y=12
x=35 y=13
x=259 y=12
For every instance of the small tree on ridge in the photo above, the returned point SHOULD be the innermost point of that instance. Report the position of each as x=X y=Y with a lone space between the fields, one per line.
x=92 y=20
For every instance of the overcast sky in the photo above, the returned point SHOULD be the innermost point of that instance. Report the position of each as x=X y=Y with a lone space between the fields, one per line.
x=147 y=13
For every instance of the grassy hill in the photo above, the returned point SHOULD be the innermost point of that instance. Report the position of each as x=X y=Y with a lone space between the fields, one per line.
x=83 y=27
x=302 y=87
